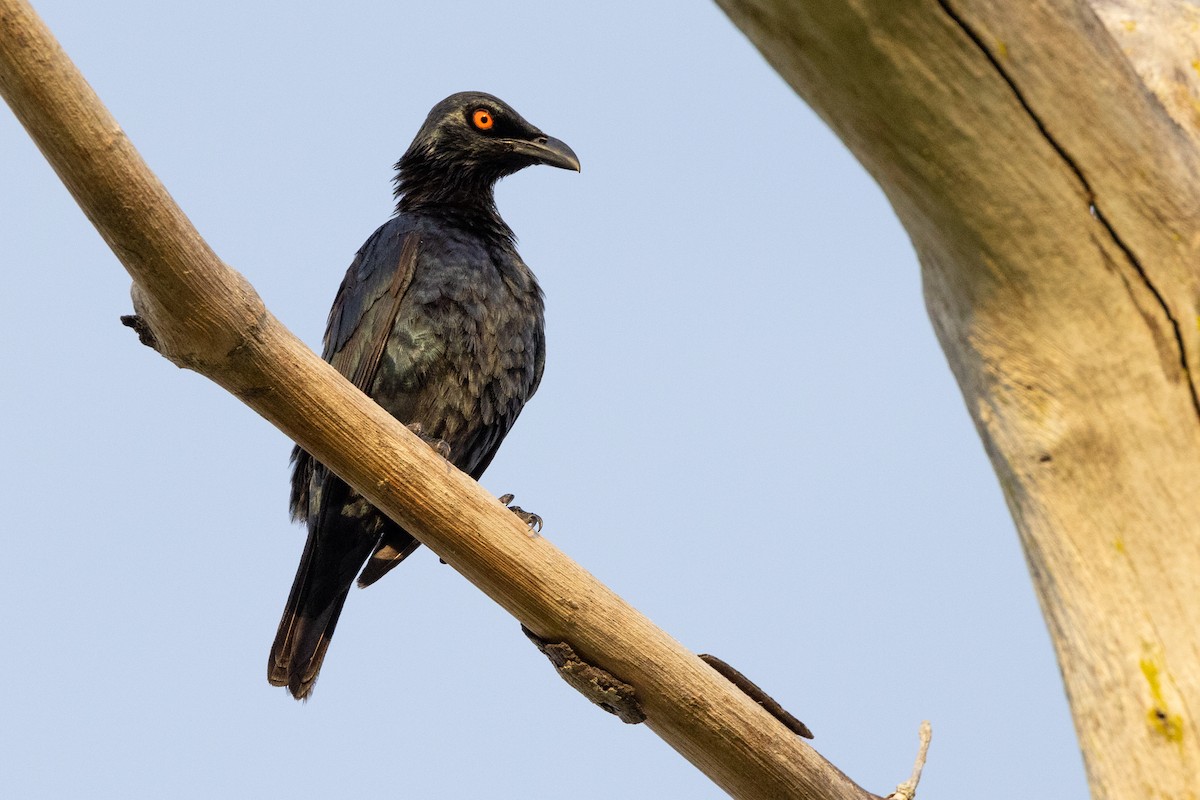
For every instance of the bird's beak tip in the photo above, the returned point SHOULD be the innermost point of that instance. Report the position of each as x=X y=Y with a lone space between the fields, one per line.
x=556 y=153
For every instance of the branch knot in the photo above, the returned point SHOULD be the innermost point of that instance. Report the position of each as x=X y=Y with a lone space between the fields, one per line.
x=596 y=684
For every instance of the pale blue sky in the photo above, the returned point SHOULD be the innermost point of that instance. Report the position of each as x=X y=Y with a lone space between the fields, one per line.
x=746 y=428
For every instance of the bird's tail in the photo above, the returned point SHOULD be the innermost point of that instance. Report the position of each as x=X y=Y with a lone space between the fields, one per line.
x=394 y=546
x=322 y=583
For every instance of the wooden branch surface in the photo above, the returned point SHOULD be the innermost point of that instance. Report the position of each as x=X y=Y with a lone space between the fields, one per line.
x=207 y=318
x=1043 y=158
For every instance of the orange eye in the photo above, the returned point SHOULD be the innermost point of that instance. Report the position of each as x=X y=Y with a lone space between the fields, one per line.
x=483 y=119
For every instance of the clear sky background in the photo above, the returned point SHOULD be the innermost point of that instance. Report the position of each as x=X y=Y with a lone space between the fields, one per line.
x=746 y=428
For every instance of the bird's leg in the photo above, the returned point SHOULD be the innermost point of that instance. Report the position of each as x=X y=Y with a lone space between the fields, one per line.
x=439 y=445
x=532 y=520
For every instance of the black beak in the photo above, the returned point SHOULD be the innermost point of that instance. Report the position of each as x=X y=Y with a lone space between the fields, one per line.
x=548 y=150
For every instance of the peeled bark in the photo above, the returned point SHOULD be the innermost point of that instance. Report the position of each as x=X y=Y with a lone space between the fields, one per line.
x=1045 y=160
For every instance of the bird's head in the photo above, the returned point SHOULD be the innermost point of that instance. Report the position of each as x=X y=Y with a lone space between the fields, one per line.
x=468 y=142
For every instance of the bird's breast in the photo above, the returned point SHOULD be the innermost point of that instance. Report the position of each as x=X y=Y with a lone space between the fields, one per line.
x=465 y=349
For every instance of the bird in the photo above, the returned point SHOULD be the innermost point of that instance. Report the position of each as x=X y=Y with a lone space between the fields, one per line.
x=440 y=322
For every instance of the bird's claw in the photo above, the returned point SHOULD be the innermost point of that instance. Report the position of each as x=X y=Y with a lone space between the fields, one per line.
x=439 y=445
x=529 y=518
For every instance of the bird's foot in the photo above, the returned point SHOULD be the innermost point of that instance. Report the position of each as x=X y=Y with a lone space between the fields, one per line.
x=439 y=445
x=532 y=520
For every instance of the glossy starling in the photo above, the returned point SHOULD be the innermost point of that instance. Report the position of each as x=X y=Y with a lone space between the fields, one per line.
x=440 y=321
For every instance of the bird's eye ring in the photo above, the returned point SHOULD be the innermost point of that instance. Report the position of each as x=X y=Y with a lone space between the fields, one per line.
x=483 y=119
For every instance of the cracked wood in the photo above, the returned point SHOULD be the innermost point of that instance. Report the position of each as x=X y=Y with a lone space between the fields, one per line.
x=995 y=130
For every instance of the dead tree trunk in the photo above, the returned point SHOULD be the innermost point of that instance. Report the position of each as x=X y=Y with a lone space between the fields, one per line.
x=1044 y=158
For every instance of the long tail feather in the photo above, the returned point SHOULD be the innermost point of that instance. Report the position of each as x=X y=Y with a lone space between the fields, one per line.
x=323 y=580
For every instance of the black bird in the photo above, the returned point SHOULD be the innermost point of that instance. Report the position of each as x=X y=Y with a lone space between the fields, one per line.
x=440 y=322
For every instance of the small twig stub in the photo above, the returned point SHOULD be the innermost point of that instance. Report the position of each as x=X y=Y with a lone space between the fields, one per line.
x=142 y=328
x=908 y=789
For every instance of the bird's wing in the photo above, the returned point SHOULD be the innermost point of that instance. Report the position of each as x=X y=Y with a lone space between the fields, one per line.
x=366 y=308
x=360 y=322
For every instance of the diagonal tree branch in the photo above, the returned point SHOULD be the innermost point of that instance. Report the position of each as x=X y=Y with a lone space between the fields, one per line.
x=204 y=316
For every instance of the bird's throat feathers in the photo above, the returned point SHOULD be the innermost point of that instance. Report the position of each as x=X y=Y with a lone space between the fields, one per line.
x=461 y=191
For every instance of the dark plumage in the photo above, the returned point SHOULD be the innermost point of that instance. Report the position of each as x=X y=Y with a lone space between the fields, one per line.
x=440 y=321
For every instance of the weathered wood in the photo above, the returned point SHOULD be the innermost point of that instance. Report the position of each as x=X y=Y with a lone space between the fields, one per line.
x=1050 y=183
